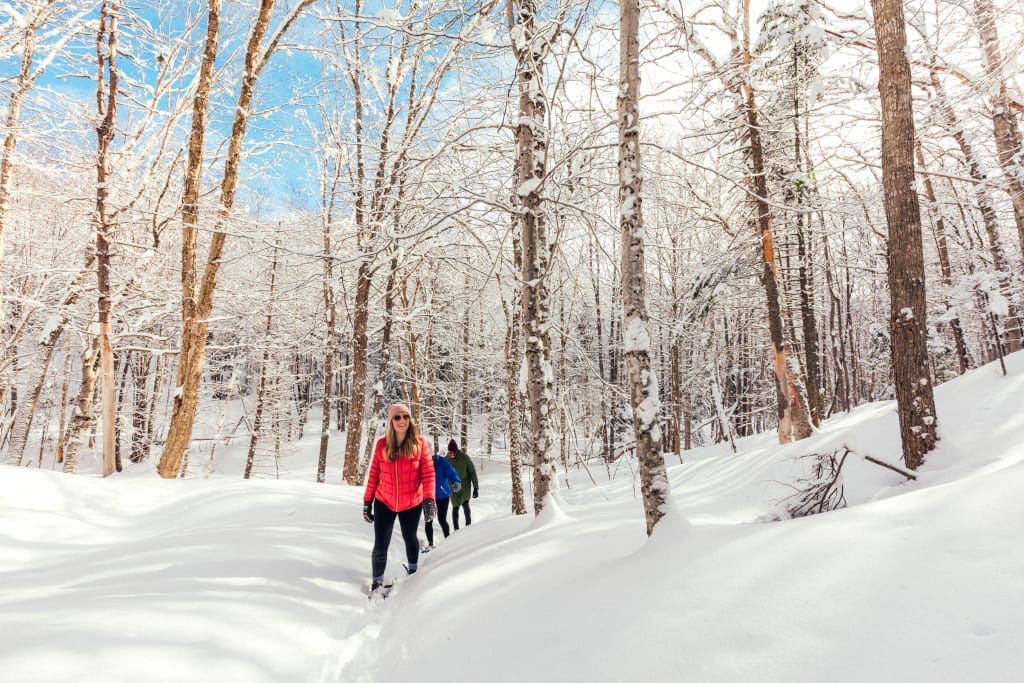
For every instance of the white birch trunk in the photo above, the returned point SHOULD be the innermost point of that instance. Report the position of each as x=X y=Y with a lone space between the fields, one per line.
x=529 y=44
x=643 y=382
x=106 y=106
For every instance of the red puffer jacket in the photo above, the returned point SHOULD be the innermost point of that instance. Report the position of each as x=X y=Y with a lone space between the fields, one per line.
x=401 y=484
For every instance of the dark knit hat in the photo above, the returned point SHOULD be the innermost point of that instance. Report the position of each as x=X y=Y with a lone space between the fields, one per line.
x=453 y=446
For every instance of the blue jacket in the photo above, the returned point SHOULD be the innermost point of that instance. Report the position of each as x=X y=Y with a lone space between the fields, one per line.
x=444 y=477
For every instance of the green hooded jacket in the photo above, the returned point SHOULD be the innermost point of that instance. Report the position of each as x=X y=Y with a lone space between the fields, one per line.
x=467 y=475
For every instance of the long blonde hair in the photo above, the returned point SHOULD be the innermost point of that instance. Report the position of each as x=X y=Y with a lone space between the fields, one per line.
x=409 y=447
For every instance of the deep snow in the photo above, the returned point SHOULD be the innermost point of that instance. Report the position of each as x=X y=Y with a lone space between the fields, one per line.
x=133 y=578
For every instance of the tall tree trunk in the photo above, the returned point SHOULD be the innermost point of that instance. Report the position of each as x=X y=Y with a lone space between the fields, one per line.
x=794 y=423
x=412 y=342
x=679 y=414
x=82 y=418
x=637 y=339
x=197 y=304
x=530 y=46
x=563 y=382
x=357 y=394
x=106 y=110
x=64 y=387
x=183 y=413
x=366 y=234
x=605 y=403
x=837 y=336
x=384 y=361
x=331 y=315
x=464 y=388
x=513 y=364
x=809 y=327
x=1009 y=147
x=915 y=399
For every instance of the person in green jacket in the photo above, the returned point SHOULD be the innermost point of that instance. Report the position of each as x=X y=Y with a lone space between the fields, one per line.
x=467 y=475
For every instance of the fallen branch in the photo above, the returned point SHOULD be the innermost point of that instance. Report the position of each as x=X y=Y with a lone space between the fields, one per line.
x=895 y=468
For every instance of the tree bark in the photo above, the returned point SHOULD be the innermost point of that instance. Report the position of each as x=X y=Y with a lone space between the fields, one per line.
x=915 y=399
x=183 y=413
x=383 y=363
x=643 y=381
x=331 y=314
x=530 y=47
x=794 y=422
x=83 y=418
x=513 y=364
x=106 y=110
x=62 y=420
x=357 y=394
x=464 y=385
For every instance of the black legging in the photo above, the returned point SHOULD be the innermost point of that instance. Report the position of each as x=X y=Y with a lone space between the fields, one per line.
x=455 y=514
x=442 y=519
x=383 y=525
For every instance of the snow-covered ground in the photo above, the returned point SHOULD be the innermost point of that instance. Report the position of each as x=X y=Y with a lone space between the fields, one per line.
x=133 y=578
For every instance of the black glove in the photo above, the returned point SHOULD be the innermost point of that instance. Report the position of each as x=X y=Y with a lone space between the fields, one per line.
x=476 y=493
x=429 y=510
x=456 y=486
x=368 y=512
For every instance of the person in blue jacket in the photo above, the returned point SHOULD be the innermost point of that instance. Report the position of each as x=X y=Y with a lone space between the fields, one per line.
x=446 y=481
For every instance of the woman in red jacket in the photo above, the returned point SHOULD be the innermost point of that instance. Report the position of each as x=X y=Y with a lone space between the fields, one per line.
x=401 y=481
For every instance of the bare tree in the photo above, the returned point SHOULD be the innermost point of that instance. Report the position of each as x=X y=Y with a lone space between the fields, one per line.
x=328 y=193
x=985 y=203
x=32 y=21
x=793 y=414
x=197 y=302
x=381 y=156
x=636 y=338
x=40 y=12
x=106 y=111
x=915 y=399
x=530 y=45
x=261 y=391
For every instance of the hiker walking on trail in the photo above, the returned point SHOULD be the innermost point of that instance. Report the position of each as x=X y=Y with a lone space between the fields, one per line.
x=467 y=475
x=447 y=481
x=399 y=485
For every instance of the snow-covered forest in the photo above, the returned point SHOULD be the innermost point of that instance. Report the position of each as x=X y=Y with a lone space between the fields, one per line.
x=621 y=252
x=283 y=205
